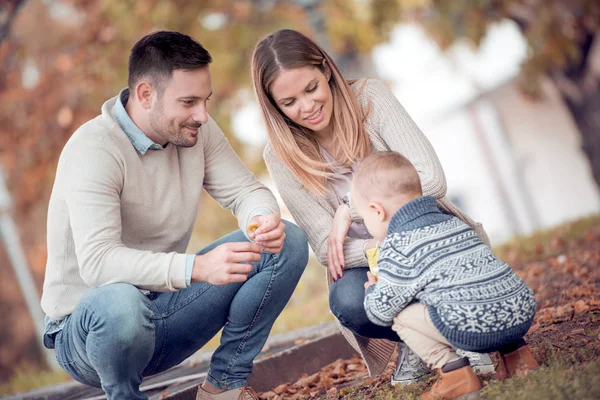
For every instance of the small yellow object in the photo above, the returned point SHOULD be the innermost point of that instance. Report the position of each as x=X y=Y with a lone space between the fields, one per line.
x=372 y=257
x=253 y=227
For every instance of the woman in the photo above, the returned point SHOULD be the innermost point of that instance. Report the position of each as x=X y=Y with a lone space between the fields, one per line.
x=320 y=126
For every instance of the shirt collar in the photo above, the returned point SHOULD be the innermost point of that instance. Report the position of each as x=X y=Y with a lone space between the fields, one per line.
x=138 y=139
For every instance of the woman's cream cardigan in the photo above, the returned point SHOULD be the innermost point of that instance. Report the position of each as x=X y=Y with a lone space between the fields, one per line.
x=389 y=128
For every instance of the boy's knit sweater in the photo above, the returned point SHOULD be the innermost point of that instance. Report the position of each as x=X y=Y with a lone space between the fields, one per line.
x=476 y=301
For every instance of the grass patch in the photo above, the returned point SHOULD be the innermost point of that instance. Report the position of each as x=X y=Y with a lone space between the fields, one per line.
x=544 y=243
x=560 y=380
x=27 y=378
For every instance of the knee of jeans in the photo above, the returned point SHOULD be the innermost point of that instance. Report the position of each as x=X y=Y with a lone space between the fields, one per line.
x=347 y=309
x=296 y=245
x=122 y=307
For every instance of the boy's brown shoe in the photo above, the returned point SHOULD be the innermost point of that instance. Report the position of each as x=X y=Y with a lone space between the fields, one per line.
x=457 y=381
x=243 y=393
x=518 y=362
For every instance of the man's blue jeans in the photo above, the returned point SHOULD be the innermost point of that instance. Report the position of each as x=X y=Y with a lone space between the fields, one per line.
x=117 y=335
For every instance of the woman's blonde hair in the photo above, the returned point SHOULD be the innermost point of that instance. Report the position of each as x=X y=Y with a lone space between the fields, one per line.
x=293 y=144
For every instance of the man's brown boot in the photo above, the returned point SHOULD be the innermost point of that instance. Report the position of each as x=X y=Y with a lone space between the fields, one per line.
x=518 y=362
x=243 y=393
x=457 y=381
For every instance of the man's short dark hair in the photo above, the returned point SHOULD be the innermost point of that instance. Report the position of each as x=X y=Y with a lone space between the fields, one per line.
x=157 y=55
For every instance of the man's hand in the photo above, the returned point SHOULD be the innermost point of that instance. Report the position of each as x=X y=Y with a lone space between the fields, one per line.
x=270 y=234
x=335 y=242
x=224 y=264
x=371 y=280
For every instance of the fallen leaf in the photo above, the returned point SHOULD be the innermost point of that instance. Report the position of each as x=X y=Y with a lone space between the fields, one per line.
x=580 y=307
x=311 y=380
x=281 y=388
x=535 y=271
x=539 y=248
x=325 y=382
x=562 y=314
x=533 y=328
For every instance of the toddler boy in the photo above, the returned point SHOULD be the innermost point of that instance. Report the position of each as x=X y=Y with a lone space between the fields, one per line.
x=439 y=285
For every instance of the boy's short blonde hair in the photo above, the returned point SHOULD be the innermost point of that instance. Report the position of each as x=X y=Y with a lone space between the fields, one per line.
x=387 y=174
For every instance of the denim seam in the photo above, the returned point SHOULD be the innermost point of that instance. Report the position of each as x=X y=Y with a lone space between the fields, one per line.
x=153 y=346
x=256 y=316
x=162 y=352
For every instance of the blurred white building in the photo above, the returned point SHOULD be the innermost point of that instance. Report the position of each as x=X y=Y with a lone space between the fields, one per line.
x=513 y=164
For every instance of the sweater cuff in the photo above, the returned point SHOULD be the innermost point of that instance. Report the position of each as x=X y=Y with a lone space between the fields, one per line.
x=189 y=267
x=354 y=256
x=177 y=274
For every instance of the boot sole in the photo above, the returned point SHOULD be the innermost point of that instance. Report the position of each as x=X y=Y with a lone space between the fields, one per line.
x=406 y=382
x=483 y=369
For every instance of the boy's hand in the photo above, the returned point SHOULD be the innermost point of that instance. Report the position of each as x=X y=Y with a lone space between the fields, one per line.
x=270 y=233
x=372 y=280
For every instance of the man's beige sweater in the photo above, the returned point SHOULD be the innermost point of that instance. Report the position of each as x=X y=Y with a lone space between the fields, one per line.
x=116 y=215
x=389 y=128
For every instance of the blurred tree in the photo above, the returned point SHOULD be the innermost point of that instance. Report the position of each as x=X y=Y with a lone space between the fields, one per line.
x=563 y=40
x=61 y=61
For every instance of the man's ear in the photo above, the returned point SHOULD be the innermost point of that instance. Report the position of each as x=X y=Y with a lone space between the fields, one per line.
x=144 y=93
x=379 y=210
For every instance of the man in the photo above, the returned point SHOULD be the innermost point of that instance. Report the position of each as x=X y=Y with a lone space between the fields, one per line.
x=122 y=298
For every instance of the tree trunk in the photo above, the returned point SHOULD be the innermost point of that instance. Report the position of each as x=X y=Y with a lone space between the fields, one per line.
x=580 y=87
x=586 y=114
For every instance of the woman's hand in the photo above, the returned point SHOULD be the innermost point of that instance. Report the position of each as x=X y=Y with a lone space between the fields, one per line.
x=335 y=242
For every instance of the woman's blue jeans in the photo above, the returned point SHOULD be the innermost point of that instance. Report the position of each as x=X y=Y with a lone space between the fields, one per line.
x=346 y=300
x=117 y=335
